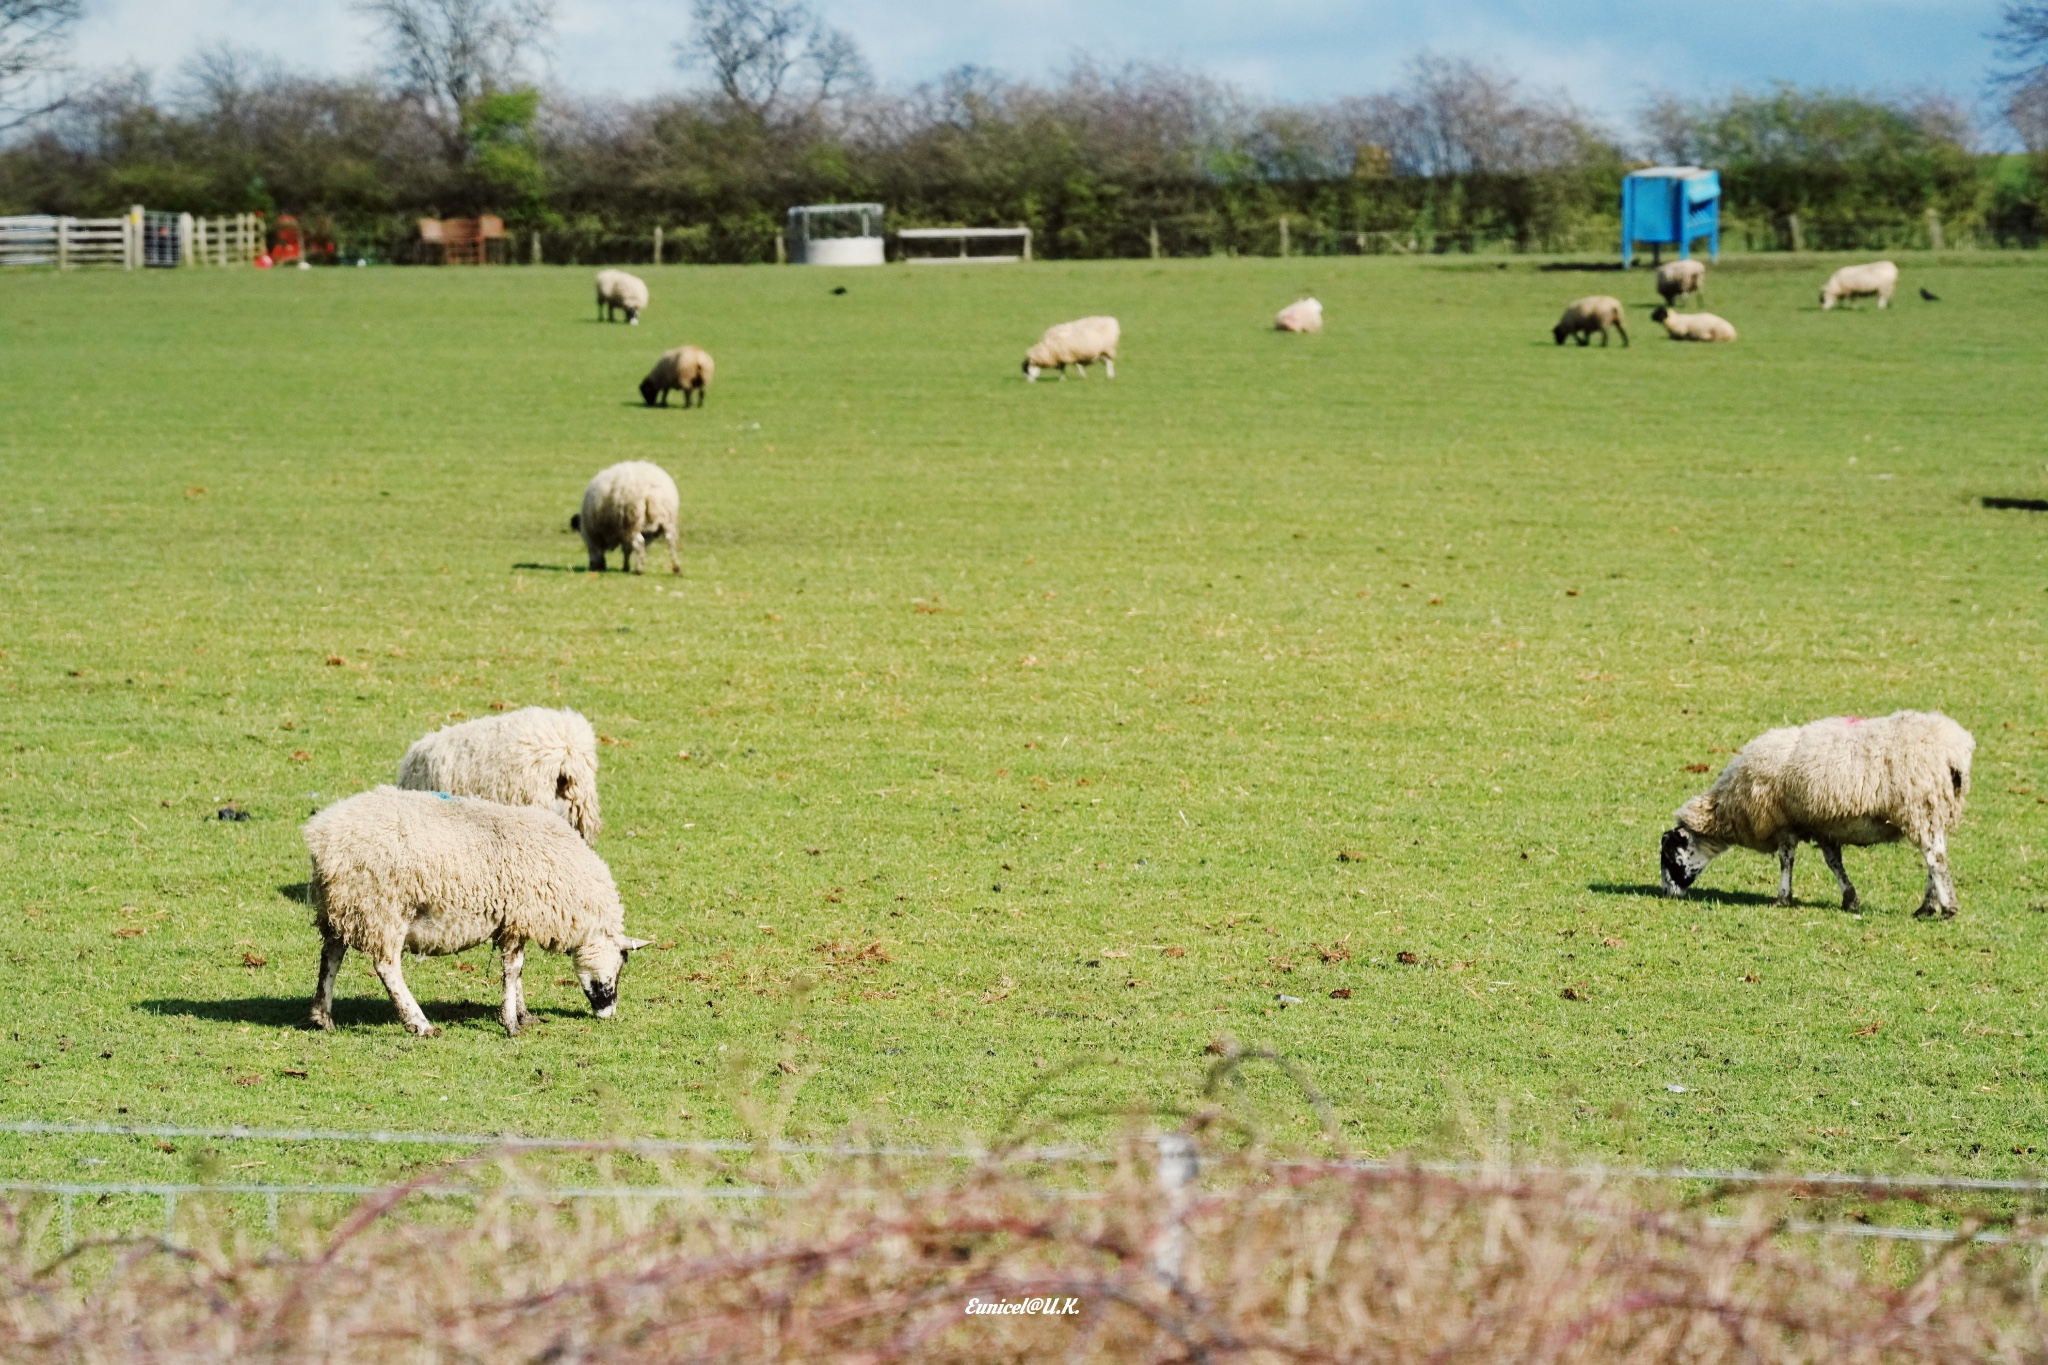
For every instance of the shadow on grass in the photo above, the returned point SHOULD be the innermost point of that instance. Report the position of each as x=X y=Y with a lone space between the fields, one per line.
x=1656 y=892
x=551 y=568
x=300 y=892
x=292 y=1011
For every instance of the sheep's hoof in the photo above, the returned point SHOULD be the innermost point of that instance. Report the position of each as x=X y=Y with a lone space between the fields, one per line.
x=511 y=1027
x=1851 y=901
x=1928 y=910
x=323 y=1021
x=525 y=1018
x=1785 y=902
x=430 y=1031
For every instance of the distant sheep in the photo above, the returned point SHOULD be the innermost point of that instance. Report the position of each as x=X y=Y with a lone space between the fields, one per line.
x=1694 y=326
x=1846 y=780
x=1305 y=315
x=398 y=872
x=685 y=368
x=529 y=757
x=616 y=289
x=1074 y=343
x=1861 y=281
x=1678 y=278
x=1594 y=313
x=626 y=506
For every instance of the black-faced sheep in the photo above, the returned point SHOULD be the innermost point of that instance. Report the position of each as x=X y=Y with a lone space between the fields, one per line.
x=398 y=872
x=1678 y=278
x=1861 y=281
x=1845 y=780
x=1694 y=326
x=686 y=368
x=529 y=757
x=1079 y=343
x=1594 y=313
x=615 y=290
x=626 y=506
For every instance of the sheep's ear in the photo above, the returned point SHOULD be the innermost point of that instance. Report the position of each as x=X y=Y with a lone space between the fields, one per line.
x=632 y=943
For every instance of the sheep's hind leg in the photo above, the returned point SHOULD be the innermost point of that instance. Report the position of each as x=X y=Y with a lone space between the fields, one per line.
x=1833 y=853
x=673 y=540
x=409 y=1012
x=1109 y=367
x=1788 y=849
x=332 y=951
x=1941 y=887
x=513 y=1015
x=636 y=554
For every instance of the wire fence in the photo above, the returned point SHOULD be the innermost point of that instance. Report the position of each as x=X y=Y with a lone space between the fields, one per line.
x=272 y=1193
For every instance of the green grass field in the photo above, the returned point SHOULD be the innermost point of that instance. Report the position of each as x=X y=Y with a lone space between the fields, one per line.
x=1067 y=696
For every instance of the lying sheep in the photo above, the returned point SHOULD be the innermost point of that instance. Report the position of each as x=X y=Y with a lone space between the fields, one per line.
x=1861 y=281
x=1694 y=326
x=398 y=872
x=1594 y=313
x=1305 y=315
x=685 y=368
x=626 y=506
x=1847 y=780
x=1074 y=343
x=529 y=757
x=1677 y=278
x=616 y=289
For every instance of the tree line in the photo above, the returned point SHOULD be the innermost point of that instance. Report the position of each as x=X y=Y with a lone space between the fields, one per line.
x=1100 y=162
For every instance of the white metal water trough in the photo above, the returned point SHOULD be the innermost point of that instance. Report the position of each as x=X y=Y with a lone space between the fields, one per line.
x=809 y=246
x=1020 y=235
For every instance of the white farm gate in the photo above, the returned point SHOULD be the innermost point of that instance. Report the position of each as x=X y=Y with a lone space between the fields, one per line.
x=140 y=239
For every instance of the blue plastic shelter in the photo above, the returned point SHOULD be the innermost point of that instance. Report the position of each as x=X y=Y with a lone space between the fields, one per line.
x=1671 y=206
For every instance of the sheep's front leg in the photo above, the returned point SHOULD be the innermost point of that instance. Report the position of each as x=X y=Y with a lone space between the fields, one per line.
x=513 y=1015
x=1941 y=887
x=1109 y=367
x=1833 y=853
x=409 y=1012
x=332 y=951
x=1788 y=849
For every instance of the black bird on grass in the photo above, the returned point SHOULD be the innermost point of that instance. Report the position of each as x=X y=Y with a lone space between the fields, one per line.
x=1931 y=298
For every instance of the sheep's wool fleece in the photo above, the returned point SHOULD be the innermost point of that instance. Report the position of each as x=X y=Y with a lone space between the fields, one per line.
x=1591 y=312
x=1680 y=277
x=1075 y=343
x=1854 y=780
x=628 y=497
x=618 y=287
x=1305 y=315
x=1699 y=327
x=529 y=757
x=427 y=873
x=1879 y=277
x=680 y=368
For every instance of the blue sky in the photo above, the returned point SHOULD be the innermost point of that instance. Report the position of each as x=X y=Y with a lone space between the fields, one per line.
x=1607 y=55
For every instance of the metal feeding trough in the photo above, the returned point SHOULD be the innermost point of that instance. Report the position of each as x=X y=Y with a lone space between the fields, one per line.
x=817 y=234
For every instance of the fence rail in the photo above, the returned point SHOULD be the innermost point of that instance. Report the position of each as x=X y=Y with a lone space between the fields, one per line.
x=141 y=239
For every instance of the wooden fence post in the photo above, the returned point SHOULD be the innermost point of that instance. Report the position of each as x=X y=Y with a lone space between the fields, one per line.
x=1152 y=237
x=781 y=249
x=1798 y=240
x=63 y=243
x=1934 y=229
x=1283 y=239
x=536 y=246
x=657 y=246
x=185 y=257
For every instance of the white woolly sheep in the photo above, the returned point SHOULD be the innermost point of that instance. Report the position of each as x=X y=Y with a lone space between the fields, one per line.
x=1845 y=780
x=1861 y=281
x=1074 y=343
x=1304 y=315
x=686 y=368
x=1594 y=313
x=626 y=506
x=616 y=289
x=1676 y=278
x=398 y=872
x=1694 y=326
x=529 y=757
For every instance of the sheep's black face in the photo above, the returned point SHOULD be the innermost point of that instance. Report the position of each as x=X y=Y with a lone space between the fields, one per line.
x=598 y=964
x=1559 y=333
x=1659 y=314
x=648 y=391
x=1683 y=859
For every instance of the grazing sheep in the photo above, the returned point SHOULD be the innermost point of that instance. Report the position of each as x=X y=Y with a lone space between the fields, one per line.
x=616 y=289
x=686 y=368
x=1861 y=281
x=1676 y=278
x=1694 y=326
x=1846 y=780
x=626 y=506
x=1594 y=313
x=398 y=872
x=1074 y=343
x=529 y=757
x=1305 y=315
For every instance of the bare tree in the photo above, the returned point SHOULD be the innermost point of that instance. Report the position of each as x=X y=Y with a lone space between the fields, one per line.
x=448 y=52
x=761 y=53
x=1454 y=116
x=2022 y=39
x=32 y=38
